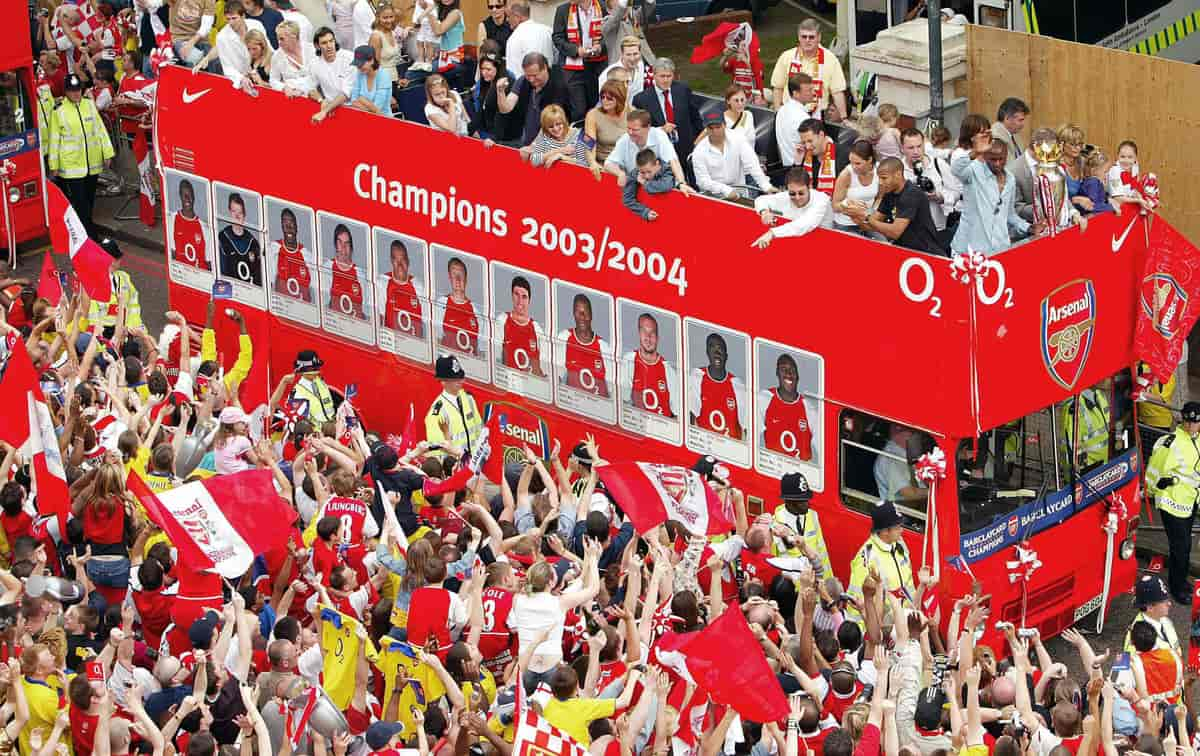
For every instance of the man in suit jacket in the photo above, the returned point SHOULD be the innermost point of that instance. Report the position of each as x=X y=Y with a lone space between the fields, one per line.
x=674 y=108
x=579 y=40
x=1010 y=119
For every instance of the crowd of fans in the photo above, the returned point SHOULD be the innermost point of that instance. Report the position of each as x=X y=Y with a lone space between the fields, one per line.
x=590 y=92
x=535 y=579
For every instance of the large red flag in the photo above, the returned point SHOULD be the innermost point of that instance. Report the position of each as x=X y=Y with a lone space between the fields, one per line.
x=726 y=660
x=48 y=285
x=28 y=420
x=650 y=494
x=68 y=236
x=221 y=522
x=1170 y=300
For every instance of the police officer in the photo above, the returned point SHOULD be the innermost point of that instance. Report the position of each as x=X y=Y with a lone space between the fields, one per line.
x=311 y=389
x=1154 y=607
x=79 y=149
x=453 y=417
x=794 y=515
x=1173 y=477
x=105 y=313
x=1091 y=446
x=886 y=552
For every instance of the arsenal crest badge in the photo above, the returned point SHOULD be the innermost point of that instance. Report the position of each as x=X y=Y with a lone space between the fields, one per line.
x=1164 y=301
x=1068 y=329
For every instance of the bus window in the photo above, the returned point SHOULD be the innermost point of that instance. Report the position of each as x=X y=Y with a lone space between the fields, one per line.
x=1004 y=469
x=1094 y=425
x=16 y=117
x=876 y=465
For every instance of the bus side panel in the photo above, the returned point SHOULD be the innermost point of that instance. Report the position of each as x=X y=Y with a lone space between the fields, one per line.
x=23 y=151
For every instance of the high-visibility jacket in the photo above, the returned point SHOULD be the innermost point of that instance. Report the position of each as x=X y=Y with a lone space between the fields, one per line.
x=462 y=415
x=1176 y=455
x=46 y=107
x=808 y=526
x=313 y=390
x=1154 y=409
x=892 y=563
x=105 y=313
x=79 y=142
x=1093 y=428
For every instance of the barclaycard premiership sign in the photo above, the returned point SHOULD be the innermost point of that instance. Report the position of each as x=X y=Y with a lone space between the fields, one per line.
x=518 y=428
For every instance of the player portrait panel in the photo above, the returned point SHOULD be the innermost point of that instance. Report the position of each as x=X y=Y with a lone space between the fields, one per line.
x=240 y=242
x=716 y=392
x=190 y=246
x=292 y=262
x=649 y=387
x=402 y=295
x=584 y=362
x=789 y=427
x=521 y=334
x=460 y=309
x=347 y=301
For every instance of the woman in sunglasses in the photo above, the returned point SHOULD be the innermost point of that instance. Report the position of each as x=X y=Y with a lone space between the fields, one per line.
x=494 y=25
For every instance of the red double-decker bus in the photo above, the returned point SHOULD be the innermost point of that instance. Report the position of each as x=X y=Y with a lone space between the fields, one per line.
x=382 y=244
x=23 y=215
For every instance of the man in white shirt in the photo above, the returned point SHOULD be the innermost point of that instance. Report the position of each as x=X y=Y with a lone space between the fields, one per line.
x=231 y=48
x=332 y=68
x=640 y=72
x=802 y=208
x=796 y=110
x=527 y=36
x=364 y=20
x=723 y=159
x=926 y=174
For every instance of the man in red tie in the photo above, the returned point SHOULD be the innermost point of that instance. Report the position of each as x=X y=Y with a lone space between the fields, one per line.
x=674 y=108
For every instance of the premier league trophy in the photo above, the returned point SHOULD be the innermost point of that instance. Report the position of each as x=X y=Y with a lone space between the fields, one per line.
x=1050 y=202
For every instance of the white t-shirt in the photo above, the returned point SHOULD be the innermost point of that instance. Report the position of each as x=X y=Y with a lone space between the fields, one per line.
x=531 y=614
x=334 y=78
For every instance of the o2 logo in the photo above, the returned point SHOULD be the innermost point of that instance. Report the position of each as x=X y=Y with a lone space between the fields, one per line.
x=917 y=281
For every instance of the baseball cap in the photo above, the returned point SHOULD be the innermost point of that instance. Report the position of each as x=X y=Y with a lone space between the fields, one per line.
x=200 y=633
x=379 y=734
x=712 y=118
x=363 y=54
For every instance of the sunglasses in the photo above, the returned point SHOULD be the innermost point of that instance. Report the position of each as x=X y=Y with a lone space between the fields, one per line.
x=808 y=36
x=796 y=194
x=495 y=7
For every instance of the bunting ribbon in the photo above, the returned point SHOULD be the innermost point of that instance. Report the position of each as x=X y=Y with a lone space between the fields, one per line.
x=931 y=470
x=1021 y=570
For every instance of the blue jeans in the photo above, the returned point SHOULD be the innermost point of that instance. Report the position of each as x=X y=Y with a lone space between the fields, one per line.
x=197 y=51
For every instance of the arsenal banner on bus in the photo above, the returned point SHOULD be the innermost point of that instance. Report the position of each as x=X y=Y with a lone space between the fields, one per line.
x=1168 y=296
x=650 y=494
x=220 y=523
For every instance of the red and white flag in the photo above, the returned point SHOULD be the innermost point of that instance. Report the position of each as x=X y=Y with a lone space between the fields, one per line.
x=49 y=286
x=1169 y=300
x=537 y=737
x=68 y=236
x=650 y=494
x=32 y=426
x=141 y=153
x=222 y=522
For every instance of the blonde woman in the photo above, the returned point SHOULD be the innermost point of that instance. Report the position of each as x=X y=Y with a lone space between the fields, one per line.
x=538 y=613
x=1071 y=141
x=444 y=107
x=556 y=141
x=605 y=124
x=260 y=57
x=289 y=64
x=387 y=50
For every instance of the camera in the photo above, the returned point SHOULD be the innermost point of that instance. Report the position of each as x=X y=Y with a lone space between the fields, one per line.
x=923 y=182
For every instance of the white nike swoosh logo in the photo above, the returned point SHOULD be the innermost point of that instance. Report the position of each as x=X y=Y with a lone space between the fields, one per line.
x=190 y=97
x=1119 y=241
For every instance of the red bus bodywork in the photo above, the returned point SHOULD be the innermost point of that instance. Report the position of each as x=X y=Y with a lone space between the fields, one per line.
x=21 y=146
x=895 y=334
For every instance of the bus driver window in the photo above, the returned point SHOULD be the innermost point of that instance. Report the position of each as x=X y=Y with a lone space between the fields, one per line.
x=877 y=458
